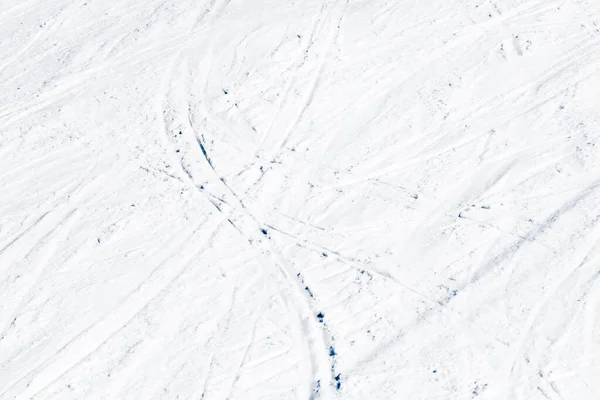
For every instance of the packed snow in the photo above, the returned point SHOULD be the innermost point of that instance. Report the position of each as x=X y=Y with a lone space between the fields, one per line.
x=333 y=199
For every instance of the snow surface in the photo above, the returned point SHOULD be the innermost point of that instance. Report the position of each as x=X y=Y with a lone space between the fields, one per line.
x=260 y=199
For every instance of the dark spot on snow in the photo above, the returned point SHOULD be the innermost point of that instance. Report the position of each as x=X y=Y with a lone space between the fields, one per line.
x=177 y=151
x=309 y=291
x=478 y=389
x=324 y=254
x=225 y=91
x=317 y=386
x=201 y=187
x=338 y=380
x=298 y=274
x=98 y=240
x=180 y=132
x=435 y=371
x=485 y=207
x=561 y=107
x=320 y=316
x=264 y=231
x=331 y=351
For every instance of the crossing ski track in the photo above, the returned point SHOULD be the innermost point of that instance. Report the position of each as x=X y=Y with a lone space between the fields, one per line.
x=322 y=199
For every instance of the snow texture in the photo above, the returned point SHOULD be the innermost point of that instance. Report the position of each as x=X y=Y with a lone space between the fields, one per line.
x=259 y=199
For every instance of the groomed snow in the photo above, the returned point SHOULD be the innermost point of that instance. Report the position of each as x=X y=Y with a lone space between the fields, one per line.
x=261 y=199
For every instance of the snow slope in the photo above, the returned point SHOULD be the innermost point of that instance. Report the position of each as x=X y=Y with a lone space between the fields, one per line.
x=236 y=199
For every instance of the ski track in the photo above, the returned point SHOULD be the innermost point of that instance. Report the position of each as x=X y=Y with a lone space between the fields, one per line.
x=312 y=200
